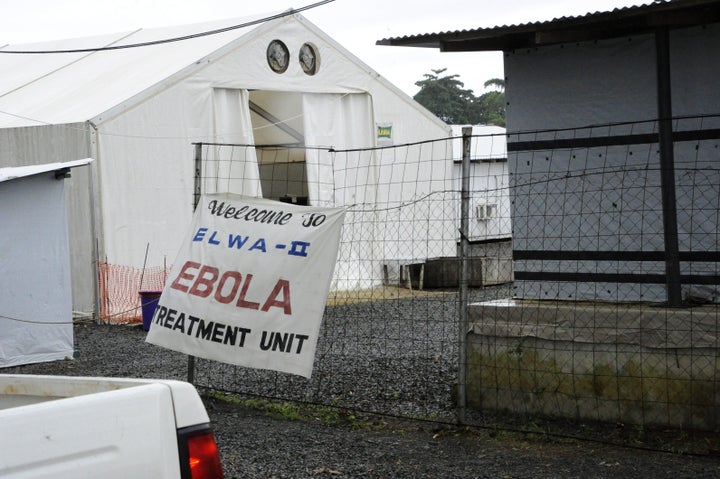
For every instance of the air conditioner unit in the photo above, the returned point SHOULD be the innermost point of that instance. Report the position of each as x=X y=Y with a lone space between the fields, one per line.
x=485 y=211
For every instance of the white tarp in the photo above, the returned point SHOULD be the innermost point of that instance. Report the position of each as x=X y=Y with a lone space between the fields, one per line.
x=35 y=290
x=340 y=120
x=238 y=168
x=250 y=282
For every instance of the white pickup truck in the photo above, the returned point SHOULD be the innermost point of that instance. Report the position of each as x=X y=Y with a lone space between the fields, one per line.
x=76 y=427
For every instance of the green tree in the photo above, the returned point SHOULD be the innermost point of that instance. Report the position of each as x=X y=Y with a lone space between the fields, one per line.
x=492 y=103
x=447 y=98
x=497 y=83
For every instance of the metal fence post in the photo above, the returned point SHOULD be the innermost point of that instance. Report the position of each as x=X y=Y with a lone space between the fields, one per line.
x=667 y=170
x=197 y=191
x=464 y=248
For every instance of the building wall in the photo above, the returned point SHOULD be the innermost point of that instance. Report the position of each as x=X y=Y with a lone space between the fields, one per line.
x=606 y=196
x=573 y=85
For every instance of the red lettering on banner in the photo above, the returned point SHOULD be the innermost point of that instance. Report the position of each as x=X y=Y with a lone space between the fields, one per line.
x=204 y=281
x=184 y=276
x=242 y=303
x=283 y=286
x=225 y=299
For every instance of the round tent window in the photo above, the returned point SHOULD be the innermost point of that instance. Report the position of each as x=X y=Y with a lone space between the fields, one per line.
x=308 y=58
x=278 y=56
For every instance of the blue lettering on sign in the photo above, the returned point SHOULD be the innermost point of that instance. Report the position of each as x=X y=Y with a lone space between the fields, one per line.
x=200 y=234
x=236 y=241
x=298 y=248
x=259 y=244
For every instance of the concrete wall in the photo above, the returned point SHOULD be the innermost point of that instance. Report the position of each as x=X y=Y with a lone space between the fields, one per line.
x=489 y=264
x=633 y=364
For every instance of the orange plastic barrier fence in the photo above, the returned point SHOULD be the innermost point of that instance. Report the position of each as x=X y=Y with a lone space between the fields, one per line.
x=120 y=288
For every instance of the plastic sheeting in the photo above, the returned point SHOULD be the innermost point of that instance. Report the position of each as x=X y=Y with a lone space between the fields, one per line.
x=237 y=167
x=35 y=285
x=332 y=121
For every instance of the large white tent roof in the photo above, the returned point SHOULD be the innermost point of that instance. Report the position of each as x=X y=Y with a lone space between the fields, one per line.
x=96 y=78
x=70 y=87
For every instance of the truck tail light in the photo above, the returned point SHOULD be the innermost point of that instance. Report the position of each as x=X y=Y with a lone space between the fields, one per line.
x=199 y=456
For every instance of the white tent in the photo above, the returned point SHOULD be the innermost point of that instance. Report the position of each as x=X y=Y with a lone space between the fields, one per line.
x=138 y=110
x=489 y=182
x=36 y=315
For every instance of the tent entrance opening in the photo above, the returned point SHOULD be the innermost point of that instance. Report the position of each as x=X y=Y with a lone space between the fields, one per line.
x=278 y=130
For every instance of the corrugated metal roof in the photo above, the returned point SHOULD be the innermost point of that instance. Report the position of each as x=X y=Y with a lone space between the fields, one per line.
x=14 y=172
x=592 y=26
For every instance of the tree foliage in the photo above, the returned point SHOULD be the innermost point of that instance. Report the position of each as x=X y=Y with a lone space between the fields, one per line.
x=447 y=98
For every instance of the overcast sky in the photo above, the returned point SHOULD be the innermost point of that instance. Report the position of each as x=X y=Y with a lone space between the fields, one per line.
x=355 y=24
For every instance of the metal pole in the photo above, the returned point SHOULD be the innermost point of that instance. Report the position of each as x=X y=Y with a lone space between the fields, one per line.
x=196 y=200
x=667 y=168
x=198 y=175
x=92 y=140
x=463 y=275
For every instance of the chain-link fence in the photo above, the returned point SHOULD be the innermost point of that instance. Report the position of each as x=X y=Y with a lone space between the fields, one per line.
x=616 y=271
x=431 y=317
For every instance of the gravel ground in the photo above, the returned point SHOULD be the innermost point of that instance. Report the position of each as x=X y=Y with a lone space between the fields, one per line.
x=254 y=444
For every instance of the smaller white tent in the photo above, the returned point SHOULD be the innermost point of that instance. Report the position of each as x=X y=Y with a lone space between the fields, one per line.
x=489 y=182
x=35 y=286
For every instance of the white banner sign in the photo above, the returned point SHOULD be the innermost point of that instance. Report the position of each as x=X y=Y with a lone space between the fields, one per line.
x=250 y=283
